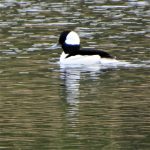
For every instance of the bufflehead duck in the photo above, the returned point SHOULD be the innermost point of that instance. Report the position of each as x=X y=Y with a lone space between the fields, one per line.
x=73 y=54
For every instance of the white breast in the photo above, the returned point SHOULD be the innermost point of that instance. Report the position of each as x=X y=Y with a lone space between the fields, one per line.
x=87 y=60
x=79 y=59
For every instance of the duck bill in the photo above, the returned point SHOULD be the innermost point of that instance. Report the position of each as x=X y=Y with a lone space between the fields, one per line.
x=55 y=46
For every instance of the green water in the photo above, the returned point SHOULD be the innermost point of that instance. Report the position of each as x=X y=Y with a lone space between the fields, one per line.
x=45 y=106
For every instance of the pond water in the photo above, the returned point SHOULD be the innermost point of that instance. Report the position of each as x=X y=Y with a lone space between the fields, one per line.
x=46 y=106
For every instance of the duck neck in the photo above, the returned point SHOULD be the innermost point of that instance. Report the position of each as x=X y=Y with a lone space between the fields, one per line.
x=70 y=49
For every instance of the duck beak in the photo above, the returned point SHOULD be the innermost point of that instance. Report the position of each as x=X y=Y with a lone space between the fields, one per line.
x=55 y=46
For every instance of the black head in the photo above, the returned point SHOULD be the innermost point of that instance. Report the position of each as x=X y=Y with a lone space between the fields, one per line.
x=63 y=36
x=69 y=41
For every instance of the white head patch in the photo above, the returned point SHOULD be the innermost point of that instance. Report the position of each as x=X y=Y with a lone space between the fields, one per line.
x=72 y=38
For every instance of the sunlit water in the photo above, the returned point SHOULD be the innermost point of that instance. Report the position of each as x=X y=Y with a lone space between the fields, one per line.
x=45 y=105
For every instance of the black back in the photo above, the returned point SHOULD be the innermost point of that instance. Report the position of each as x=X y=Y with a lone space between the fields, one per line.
x=101 y=53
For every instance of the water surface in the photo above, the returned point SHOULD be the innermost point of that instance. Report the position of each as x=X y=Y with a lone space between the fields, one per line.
x=44 y=105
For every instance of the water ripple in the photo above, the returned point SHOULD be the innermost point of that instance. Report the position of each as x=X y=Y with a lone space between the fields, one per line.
x=46 y=105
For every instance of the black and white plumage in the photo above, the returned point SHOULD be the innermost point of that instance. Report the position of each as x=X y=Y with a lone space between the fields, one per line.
x=73 y=54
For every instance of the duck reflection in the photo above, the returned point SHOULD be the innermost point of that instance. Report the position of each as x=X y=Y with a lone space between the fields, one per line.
x=71 y=77
x=72 y=83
